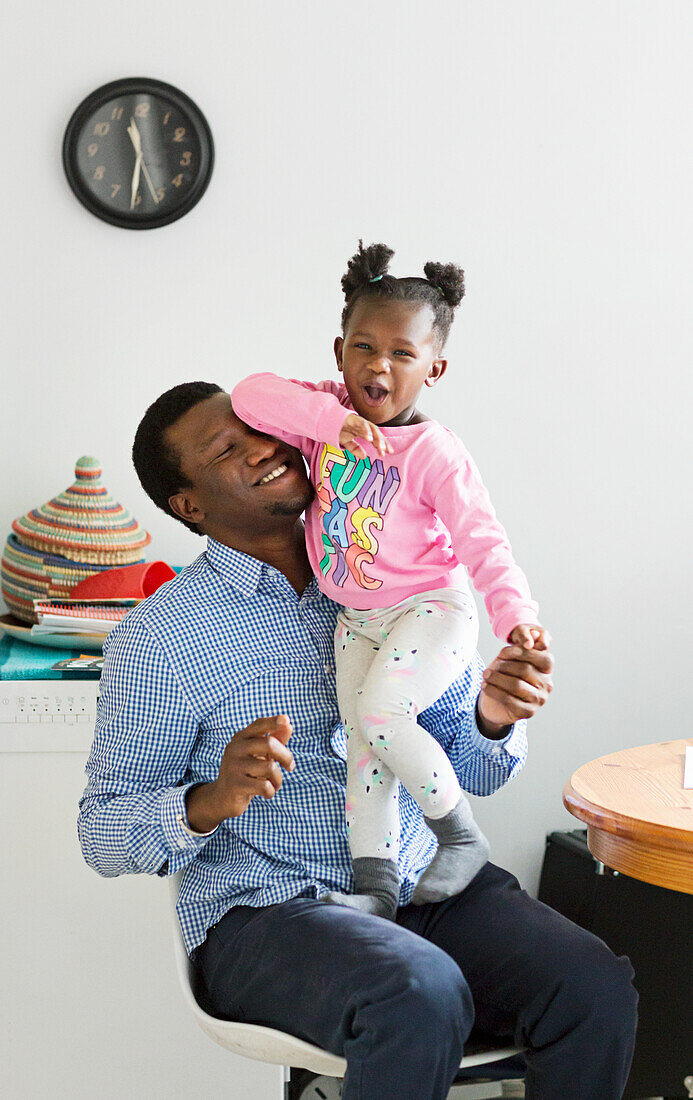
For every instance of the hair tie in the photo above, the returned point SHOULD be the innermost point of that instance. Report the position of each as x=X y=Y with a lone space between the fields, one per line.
x=375 y=279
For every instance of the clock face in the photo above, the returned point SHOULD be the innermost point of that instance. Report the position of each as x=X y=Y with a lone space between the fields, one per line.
x=138 y=153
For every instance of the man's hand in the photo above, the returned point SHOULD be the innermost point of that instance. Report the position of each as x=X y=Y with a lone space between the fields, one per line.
x=515 y=686
x=250 y=767
x=355 y=427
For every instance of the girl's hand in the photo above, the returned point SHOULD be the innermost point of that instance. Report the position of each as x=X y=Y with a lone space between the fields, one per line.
x=355 y=427
x=531 y=637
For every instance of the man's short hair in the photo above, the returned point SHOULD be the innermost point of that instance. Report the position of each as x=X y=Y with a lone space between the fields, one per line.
x=157 y=464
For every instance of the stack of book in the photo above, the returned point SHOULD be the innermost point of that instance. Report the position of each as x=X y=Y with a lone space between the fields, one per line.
x=80 y=618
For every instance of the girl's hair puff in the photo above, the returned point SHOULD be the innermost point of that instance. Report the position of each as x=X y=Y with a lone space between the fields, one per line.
x=367 y=276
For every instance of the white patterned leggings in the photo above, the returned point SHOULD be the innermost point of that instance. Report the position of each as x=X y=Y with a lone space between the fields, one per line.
x=392 y=663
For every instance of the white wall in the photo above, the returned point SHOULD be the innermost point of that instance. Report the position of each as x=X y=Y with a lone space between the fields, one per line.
x=545 y=146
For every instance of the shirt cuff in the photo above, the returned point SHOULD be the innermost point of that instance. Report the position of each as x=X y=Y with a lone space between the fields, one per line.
x=512 y=743
x=519 y=615
x=178 y=835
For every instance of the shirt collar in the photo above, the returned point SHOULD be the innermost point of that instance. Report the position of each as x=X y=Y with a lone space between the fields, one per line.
x=242 y=572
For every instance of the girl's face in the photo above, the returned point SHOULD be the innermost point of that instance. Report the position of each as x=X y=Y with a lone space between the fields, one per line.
x=388 y=352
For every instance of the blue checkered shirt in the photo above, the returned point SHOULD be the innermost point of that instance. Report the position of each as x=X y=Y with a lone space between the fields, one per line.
x=228 y=641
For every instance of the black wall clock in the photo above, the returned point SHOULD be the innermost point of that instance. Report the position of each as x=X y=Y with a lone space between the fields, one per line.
x=138 y=153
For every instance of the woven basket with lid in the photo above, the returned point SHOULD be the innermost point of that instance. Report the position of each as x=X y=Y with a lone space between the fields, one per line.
x=81 y=531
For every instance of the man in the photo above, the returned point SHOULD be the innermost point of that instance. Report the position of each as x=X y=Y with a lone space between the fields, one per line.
x=204 y=687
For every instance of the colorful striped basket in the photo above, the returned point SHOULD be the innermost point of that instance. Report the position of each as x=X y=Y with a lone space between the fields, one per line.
x=76 y=534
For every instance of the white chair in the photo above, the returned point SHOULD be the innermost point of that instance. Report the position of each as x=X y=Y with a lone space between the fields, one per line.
x=266 y=1044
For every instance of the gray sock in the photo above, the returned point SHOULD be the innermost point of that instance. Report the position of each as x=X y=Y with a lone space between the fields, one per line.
x=376 y=888
x=462 y=852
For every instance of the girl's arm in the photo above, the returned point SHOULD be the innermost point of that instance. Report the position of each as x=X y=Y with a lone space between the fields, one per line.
x=300 y=413
x=481 y=544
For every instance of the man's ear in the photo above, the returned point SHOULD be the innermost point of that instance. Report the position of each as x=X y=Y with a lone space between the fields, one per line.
x=338 y=349
x=438 y=368
x=183 y=506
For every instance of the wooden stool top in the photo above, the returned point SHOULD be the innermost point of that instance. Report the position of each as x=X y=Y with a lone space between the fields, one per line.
x=639 y=817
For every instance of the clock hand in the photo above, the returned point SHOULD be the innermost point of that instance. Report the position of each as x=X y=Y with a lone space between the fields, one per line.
x=135 y=180
x=134 y=138
x=137 y=142
x=148 y=179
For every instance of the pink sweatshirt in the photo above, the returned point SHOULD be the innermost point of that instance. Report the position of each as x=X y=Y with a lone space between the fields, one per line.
x=382 y=529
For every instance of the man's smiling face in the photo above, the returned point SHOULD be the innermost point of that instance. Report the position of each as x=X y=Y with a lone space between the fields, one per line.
x=240 y=480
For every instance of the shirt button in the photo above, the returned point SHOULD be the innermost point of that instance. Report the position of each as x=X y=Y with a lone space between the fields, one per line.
x=182 y=842
x=497 y=750
x=329 y=667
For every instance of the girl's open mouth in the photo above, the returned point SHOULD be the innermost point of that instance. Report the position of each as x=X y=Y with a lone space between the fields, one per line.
x=374 y=395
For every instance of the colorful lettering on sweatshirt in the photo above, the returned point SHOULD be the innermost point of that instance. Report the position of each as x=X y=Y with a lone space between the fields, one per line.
x=353 y=496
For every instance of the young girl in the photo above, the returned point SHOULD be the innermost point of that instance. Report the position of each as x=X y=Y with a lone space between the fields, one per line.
x=399 y=512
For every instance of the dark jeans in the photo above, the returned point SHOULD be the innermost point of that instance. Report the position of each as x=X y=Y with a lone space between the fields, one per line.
x=399 y=1000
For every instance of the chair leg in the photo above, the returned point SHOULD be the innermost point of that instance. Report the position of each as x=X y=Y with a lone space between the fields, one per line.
x=306 y=1085
x=490 y=1090
x=303 y=1084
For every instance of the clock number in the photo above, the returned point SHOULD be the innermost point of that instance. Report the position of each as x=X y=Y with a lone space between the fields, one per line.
x=115 y=188
x=92 y=149
x=142 y=110
x=99 y=173
x=102 y=128
x=138 y=200
x=185 y=159
x=179 y=133
x=160 y=192
x=117 y=113
x=177 y=180
x=167 y=117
